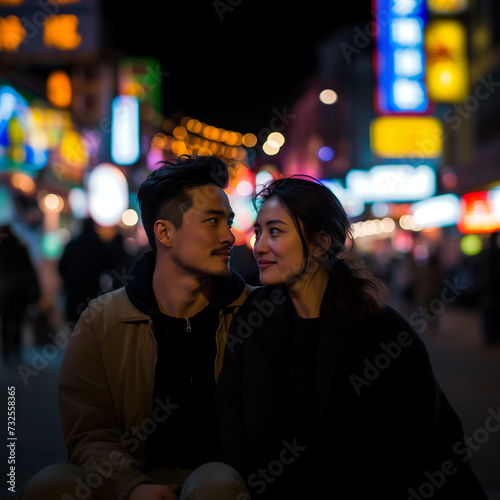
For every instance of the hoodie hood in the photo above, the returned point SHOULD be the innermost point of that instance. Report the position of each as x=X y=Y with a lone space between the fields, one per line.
x=139 y=287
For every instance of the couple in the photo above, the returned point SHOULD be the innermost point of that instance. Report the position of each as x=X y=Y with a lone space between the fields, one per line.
x=188 y=382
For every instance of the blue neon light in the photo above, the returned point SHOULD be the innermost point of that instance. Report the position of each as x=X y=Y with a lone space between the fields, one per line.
x=400 y=57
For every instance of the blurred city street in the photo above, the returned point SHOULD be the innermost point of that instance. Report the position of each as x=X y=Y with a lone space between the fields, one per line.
x=393 y=105
x=468 y=371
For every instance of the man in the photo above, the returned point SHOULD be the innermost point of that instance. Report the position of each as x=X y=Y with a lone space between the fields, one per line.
x=137 y=384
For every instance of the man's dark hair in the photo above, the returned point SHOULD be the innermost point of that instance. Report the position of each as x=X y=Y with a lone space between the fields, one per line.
x=163 y=194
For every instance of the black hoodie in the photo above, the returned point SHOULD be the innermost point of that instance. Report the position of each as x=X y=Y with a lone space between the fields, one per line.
x=185 y=436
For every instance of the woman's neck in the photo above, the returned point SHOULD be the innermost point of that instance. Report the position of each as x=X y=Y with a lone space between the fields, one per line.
x=307 y=295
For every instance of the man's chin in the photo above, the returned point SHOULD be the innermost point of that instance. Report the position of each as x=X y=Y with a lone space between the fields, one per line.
x=222 y=272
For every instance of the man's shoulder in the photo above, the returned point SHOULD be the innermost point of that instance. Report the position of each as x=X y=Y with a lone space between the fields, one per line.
x=115 y=306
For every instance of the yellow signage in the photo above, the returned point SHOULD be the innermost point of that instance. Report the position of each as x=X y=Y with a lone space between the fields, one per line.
x=447 y=6
x=73 y=150
x=446 y=61
x=406 y=137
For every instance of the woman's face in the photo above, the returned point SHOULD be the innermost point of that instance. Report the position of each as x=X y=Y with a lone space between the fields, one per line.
x=278 y=247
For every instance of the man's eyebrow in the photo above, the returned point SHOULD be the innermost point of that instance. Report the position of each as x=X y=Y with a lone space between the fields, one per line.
x=220 y=213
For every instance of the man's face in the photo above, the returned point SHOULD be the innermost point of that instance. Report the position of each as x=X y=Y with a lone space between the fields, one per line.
x=204 y=242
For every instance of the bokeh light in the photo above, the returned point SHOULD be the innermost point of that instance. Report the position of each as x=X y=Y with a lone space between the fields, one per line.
x=328 y=96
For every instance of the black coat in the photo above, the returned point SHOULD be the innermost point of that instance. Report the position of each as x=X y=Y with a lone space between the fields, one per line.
x=385 y=426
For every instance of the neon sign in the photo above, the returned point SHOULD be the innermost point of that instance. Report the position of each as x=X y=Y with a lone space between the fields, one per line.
x=399 y=59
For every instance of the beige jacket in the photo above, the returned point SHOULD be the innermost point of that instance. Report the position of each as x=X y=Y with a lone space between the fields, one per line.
x=106 y=391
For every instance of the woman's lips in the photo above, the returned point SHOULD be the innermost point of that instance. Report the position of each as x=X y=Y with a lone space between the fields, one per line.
x=265 y=264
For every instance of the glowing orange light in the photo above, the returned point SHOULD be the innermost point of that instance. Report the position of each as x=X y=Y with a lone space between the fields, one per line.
x=12 y=33
x=180 y=132
x=61 y=32
x=23 y=182
x=249 y=140
x=59 y=89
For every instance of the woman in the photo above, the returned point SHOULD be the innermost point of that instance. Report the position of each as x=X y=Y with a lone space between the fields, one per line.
x=324 y=389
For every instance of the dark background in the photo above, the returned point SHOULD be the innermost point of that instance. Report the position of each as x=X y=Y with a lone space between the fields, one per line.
x=230 y=62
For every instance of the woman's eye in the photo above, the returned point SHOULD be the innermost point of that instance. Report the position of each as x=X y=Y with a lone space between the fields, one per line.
x=274 y=230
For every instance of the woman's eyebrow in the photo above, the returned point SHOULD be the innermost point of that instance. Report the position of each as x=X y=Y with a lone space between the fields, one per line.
x=275 y=221
x=270 y=223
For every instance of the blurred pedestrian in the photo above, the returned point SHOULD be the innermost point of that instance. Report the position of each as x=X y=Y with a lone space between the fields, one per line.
x=19 y=288
x=84 y=260
x=490 y=300
x=121 y=259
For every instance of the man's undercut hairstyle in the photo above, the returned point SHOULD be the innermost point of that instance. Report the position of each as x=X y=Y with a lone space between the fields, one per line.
x=163 y=195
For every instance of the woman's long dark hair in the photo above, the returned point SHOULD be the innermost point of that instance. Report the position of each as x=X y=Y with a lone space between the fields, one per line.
x=314 y=208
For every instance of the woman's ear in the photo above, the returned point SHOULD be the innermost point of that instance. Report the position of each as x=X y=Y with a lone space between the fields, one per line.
x=321 y=244
x=162 y=230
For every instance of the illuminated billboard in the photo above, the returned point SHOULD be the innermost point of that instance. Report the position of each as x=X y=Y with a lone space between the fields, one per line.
x=406 y=137
x=437 y=211
x=399 y=59
x=397 y=183
x=447 y=66
x=479 y=212
x=125 y=141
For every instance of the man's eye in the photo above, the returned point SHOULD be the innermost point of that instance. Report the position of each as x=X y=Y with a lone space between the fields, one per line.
x=214 y=220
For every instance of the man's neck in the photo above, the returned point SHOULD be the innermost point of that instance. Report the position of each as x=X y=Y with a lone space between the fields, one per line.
x=180 y=296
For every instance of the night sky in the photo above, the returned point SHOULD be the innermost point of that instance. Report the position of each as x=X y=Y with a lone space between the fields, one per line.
x=230 y=62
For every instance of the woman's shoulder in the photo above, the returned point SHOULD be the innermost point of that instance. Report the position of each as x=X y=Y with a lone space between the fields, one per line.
x=390 y=326
x=267 y=298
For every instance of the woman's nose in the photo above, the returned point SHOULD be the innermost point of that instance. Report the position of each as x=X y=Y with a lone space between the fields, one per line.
x=260 y=247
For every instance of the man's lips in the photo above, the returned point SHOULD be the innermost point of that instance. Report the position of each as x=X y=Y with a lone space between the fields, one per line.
x=225 y=253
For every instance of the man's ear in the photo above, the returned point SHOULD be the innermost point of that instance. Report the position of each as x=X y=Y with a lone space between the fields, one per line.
x=163 y=229
x=321 y=244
